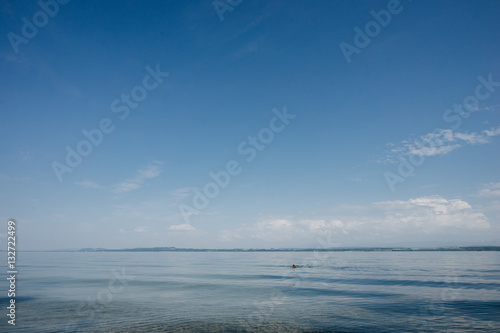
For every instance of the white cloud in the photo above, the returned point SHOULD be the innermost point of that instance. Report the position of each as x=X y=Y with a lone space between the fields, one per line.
x=88 y=184
x=490 y=190
x=228 y=236
x=274 y=230
x=431 y=151
x=492 y=132
x=182 y=227
x=127 y=186
x=149 y=172
x=348 y=207
x=181 y=193
x=443 y=142
x=141 y=229
x=385 y=220
x=431 y=214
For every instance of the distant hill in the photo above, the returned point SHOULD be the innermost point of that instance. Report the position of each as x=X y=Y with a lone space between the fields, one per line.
x=368 y=249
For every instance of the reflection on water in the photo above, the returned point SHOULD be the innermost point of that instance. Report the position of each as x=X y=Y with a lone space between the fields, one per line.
x=247 y=292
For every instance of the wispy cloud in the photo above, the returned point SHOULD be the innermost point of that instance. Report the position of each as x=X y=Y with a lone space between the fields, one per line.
x=181 y=193
x=182 y=227
x=25 y=155
x=141 y=229
x=7 y=178
x=490 y=190
x=149 y=172
x=246 y=49
x=88 y=184
x=443 y=142
x=228 y=236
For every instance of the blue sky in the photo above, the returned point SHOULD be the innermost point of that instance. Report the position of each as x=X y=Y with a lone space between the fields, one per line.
x=394 y=144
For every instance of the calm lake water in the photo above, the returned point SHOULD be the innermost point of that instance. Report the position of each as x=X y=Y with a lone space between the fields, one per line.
x=247 y=292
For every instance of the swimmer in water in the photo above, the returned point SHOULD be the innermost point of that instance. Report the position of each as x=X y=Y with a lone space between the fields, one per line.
x=293 y=266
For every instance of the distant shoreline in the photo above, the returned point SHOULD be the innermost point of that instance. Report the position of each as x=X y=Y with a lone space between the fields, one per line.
x=353 y=249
